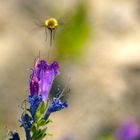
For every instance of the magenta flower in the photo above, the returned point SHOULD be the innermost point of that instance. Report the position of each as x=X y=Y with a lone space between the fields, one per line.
x=42 y=78
x=129 y=131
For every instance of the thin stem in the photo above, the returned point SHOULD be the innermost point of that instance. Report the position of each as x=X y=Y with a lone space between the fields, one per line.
x=46 y=116
x=28 y=136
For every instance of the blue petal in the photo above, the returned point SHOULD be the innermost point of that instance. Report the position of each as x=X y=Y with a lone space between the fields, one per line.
x=14 y=136
x=26 y=121
x=34 y=104
x=56 y=105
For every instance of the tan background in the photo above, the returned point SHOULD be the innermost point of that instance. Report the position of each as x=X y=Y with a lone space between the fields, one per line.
x=104 y=84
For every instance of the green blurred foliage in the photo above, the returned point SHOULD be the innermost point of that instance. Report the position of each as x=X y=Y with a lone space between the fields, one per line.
x=106 y=132
x=74 y=34
x=106 y=137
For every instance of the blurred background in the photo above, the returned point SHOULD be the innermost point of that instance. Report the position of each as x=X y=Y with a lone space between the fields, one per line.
x=98 y=46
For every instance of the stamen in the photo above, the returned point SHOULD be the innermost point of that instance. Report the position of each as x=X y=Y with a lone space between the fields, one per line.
x=37 y=58
x=64 y=89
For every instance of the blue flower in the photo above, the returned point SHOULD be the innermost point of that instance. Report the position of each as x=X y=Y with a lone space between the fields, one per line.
x=42 y=78
x=26 y=121
x=14 y=136
x=34 y=104
x=56 y=105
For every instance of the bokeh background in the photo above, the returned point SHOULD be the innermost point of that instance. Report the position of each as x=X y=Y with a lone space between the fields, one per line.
x=98 y=46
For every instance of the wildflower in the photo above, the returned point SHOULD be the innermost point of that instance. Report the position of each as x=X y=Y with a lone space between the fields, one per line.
x=34 y=119
x=26 y=122
x=129 y=131
x=34 y=104
x=42 y=78
x=14 y=136
x=56 y=105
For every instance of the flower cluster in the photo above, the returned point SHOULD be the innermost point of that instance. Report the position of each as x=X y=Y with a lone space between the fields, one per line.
x=34 y=119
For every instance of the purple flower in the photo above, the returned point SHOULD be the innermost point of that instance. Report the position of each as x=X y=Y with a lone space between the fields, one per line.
x=128 y=131
x=42 y=78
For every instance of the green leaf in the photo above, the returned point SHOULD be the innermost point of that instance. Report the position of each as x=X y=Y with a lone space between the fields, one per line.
x=42 y=108
x=49 y=134
x=49 y=121
x=33 y=129
x=40 y=134
x=41 y=111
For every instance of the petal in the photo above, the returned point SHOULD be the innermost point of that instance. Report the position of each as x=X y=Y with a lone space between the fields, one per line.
x=34 y=104
x=46 y=83
x=42 y=78
x=55 y=66
x=47 y=76
x=14 y=136
x=34 y=88
x=26 y=122
x=56 y=105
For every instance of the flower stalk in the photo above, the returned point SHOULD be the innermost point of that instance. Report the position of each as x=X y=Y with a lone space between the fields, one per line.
x=36 y=116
